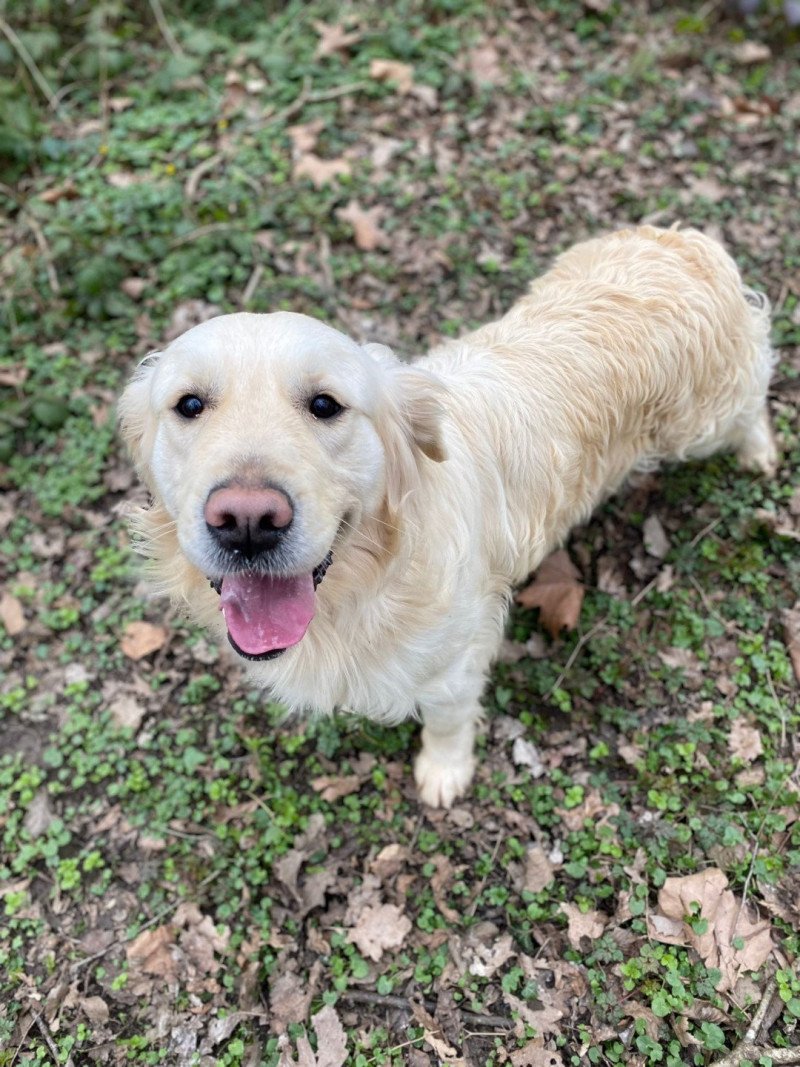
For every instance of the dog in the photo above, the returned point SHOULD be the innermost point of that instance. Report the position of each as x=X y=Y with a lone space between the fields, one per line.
x=353 y=525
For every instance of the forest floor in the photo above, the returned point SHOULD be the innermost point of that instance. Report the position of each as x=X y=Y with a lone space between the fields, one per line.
x=183 y=878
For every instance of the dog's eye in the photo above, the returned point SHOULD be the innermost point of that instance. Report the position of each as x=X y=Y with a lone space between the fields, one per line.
x=323 y=406
x=190 y=406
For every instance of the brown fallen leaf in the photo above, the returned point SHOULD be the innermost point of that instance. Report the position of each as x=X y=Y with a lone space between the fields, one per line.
x=556 y=591
x=133 y=287
x=434 y=1036
x=151 y=952
x=580 y=924
x=379 y=927
x=391 y=70
x=290 y=996
x=745 y=741
x=333 y=787
x=366 y=232
x=142 y=638
x=304 y=136
x=534 y=1054
x=333 y=38
x=95 y=1009
x=14 y=375
x=484 y=65
x=12 y=615
x=538 y=870
x=320 y=171
x=706 y=896
x=656 y=542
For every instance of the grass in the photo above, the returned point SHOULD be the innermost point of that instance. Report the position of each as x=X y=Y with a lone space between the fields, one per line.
x=174 y=166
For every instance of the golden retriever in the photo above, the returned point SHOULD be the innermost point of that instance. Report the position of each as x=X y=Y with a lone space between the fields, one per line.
x=354 y=525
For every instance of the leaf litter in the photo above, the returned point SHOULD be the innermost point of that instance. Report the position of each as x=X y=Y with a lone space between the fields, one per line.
x=517 y=903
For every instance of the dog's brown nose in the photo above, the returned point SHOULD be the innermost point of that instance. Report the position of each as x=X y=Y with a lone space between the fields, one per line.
x=248 y=521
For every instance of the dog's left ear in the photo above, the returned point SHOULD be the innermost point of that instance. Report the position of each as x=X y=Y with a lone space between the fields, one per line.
x=409 y=423
x=135 y=416
x=415 y=397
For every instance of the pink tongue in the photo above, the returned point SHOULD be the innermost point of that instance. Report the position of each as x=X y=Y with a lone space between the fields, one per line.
x=263 y=613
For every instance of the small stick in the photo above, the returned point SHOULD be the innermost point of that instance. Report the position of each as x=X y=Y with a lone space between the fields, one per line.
x=403 y=1004
x=574 y=655
x=44 y=1031
x=30 y=63
x=164 y=27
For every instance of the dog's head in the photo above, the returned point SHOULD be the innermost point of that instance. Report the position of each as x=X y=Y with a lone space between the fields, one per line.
x=269 y=440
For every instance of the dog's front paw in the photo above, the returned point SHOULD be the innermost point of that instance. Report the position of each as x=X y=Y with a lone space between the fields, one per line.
x=440 y=784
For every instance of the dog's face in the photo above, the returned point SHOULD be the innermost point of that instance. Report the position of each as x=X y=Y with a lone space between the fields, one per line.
x=268 y=439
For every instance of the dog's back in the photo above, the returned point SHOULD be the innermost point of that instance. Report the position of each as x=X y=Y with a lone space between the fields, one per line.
x=635 y=347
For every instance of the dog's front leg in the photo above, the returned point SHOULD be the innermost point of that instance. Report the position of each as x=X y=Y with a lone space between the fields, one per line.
x=444 y=768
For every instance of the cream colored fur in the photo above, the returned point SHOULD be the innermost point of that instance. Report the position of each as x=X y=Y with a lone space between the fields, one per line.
x=446 y=482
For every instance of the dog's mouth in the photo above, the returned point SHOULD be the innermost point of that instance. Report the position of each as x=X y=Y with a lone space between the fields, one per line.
x=266 y=614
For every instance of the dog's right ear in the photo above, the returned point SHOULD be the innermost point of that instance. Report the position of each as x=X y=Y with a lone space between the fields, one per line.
x=136 y=420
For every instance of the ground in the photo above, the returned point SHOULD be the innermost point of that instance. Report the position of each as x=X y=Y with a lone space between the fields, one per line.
x=186 y=879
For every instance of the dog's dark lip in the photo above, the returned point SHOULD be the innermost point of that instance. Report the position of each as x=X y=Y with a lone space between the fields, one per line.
x=255 y=658
x=317 y=574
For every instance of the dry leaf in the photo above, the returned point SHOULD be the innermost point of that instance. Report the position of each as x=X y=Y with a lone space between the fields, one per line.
x=402 y=74
x=133 y=287
x=526 y=754
x=11 y=614
x=333 y=39
x=366 y=232
x=535 y=1055
x=142 y=638
x=14 y=375
x=745 y=742
x=379 y=928
x=656 y=542
x=151 y=952
x=320 y=171
x=66 y=191
x=489 y=959
x=189 y=313
x=95 y=1009
x=579 y=924
x=556 y=591
x=331 y=787
x=290 y=997
x=127 y=713
x=484 y=65
x=304 y=137
x=434 y=1036
x=331 y=1038
x=538 y=870
x=39 y=814
x=750 y=52
x=706 y=896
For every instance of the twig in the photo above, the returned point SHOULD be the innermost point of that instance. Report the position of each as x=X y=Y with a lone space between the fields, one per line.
x=252 y=284
x=44 y=1031
x=160 y=914
x=44 y=248
x=164 y=27
x=305 y=96
x=476 y=895
x=23 y=53
x=747 y=1049
x=574 y=655
x=757 y=1021
x=404 y=1004
x=643 y=592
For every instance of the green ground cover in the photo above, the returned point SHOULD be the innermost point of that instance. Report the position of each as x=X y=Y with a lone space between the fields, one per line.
x=184 y=879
